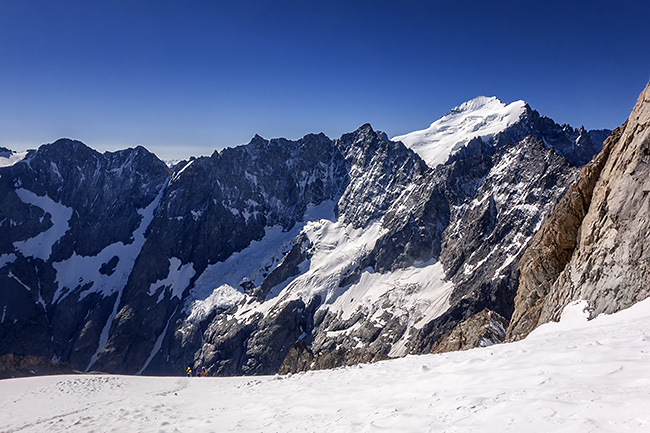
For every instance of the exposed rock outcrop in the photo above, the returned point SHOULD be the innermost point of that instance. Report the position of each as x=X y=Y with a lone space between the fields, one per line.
x=301 y=358
x=592 y=246
x=23 y=366
x=481 y=330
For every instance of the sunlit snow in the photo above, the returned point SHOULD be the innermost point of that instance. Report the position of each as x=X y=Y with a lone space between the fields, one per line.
x=481 y=117
x=572 y=376
x=418 y=293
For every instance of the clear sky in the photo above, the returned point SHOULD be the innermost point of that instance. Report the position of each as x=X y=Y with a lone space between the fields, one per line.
x=187 y=77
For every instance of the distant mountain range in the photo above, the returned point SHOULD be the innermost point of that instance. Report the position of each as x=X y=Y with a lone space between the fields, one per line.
x=283 y=255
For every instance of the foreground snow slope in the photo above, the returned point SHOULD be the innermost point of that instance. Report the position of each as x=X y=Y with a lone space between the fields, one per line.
x=566 y=377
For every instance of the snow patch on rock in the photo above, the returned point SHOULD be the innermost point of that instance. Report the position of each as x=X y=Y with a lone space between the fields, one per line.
x=5 y=259
x=40 y=246
x=86 y=271
x=177 y=280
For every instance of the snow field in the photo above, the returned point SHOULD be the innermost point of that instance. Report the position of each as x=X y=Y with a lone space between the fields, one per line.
x=178 y=278
x=574 y=376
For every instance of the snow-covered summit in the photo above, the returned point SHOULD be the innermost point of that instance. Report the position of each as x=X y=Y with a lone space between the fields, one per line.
x=479 y=103
x=482 y=117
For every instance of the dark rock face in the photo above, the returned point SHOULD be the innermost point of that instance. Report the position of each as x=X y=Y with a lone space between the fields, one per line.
x=592 y=246
x=578 y=146
x=488 y=234
x=94 y=185
x=275 y=255
x=379 y=172
x=71 y=202
x=414 y=225
x=239 y=192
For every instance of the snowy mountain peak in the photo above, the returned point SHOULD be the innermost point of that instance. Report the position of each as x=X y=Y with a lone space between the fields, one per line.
x=479 y=103
x=482 y=117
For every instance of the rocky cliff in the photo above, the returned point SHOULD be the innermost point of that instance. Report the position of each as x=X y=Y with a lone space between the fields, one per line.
x=593 y=246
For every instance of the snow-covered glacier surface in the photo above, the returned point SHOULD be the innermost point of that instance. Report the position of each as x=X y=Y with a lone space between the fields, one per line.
x=481 y=117
x=565 y=377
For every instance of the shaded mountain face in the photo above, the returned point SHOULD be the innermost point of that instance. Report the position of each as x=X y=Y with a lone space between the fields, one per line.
x=73 y=224
x=347 y=249
x=592 y=246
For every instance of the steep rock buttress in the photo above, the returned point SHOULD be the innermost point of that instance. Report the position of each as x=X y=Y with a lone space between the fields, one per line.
x=592 y=246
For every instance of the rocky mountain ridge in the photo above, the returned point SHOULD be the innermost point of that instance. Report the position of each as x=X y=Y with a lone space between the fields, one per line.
x=345 y=250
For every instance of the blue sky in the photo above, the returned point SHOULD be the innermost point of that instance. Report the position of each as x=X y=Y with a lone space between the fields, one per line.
x=187 y=77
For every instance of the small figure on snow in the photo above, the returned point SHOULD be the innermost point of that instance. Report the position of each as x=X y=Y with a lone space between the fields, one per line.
x=198 y=372
x=189 y=371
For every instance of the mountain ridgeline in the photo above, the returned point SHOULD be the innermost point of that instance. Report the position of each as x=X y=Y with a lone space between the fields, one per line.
x=279 y=255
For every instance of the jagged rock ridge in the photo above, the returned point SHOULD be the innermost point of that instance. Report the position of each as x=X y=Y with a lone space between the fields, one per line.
x=350 y=249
